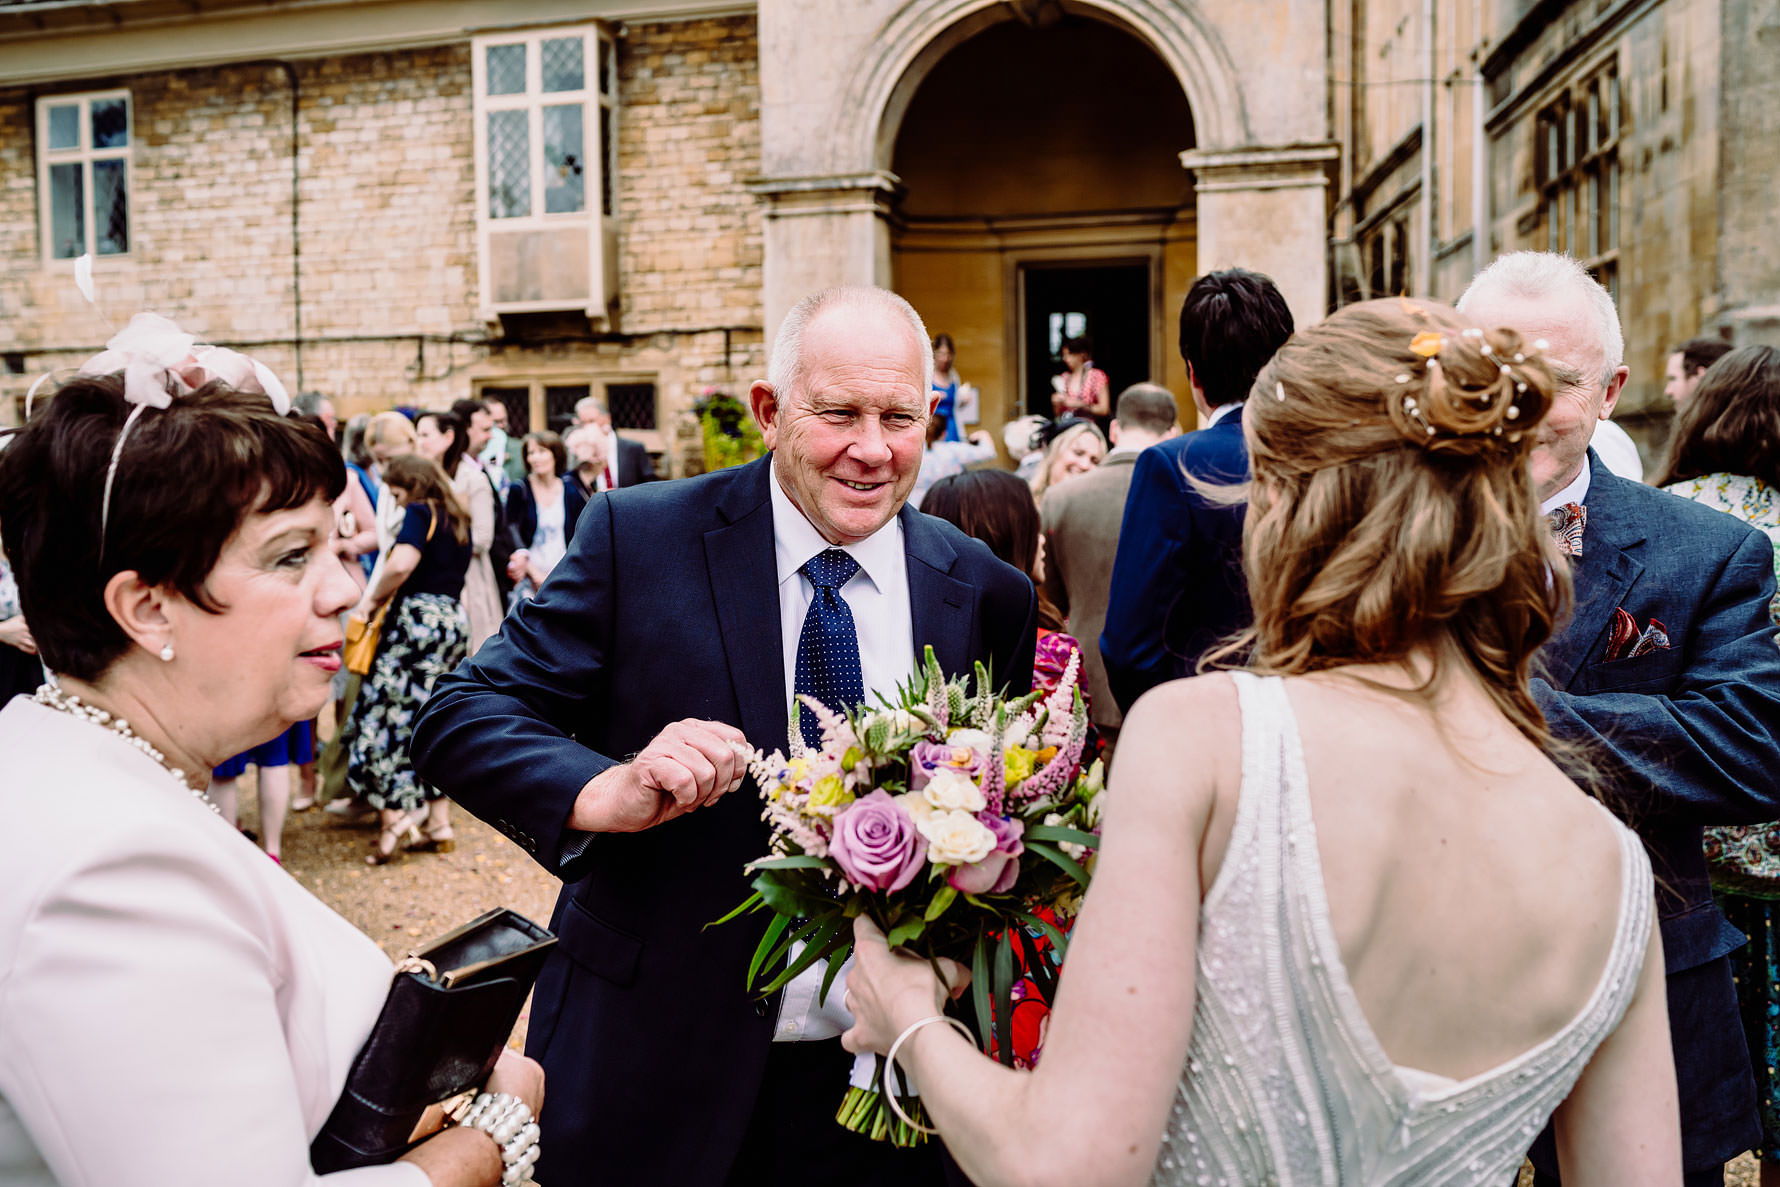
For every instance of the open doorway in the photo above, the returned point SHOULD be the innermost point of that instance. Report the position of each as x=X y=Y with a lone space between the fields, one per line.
x=1108 y=303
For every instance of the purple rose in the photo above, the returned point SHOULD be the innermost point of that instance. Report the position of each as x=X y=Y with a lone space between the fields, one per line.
x=997 y=872
x=966 y=753
x=875 y=843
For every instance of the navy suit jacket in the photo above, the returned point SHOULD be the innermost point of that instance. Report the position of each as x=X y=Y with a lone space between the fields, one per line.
x=1177 y=584
x=665 y=607
x=1686 y=736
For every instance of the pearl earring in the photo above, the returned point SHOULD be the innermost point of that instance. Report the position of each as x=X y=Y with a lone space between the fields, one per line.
x=166 y=653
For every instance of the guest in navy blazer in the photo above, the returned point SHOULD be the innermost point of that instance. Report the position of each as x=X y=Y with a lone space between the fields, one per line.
x=660 y=636
x=1177 y=586
x=1667 y=672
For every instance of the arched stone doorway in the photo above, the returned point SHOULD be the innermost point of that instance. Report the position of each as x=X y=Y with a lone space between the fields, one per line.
x=1036 y=200
x=837 y=81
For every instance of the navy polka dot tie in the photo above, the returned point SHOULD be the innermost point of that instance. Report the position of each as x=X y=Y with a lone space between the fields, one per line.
x=828 y=649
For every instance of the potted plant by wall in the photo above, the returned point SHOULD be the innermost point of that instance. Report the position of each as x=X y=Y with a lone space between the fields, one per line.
x=727 y=425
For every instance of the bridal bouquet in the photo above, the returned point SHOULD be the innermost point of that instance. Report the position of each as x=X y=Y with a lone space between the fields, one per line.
x=956 y=820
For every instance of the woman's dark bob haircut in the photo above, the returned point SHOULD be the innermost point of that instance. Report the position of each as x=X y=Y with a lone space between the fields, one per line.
x=189 y=476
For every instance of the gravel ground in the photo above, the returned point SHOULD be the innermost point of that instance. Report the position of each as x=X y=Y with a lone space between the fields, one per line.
x=422 y=895
x=419 y=896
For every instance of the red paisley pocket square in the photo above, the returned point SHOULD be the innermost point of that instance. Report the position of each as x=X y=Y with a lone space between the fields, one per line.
x=1626 y=641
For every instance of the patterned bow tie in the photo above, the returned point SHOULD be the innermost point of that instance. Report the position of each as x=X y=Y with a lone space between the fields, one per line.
x=1567 y=523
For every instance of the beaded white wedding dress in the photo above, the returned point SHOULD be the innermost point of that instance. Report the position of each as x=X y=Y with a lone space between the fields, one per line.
x=1285 y=1082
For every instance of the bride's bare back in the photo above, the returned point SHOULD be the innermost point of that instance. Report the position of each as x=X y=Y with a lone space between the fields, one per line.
x=1472 y=887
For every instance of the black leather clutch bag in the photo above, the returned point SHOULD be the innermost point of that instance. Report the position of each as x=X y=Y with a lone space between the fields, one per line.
x=449 y=1012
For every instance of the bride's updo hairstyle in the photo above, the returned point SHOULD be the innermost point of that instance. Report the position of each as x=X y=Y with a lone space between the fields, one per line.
x=1391 y=506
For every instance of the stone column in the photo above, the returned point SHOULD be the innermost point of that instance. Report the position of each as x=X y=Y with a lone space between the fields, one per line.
x=822 y=231
x=1266 y=209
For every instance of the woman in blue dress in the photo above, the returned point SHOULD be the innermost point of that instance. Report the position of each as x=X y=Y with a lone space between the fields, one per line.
x=947 y=383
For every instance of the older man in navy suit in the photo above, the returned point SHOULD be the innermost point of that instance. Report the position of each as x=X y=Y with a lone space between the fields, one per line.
x=681 y=622
x=1177 y=586
x=1667 y=672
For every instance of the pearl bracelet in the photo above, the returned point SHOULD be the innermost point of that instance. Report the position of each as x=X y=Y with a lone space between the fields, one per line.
x=508 y=1120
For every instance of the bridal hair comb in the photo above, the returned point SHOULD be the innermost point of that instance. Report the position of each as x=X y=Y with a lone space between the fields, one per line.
x=159 y=361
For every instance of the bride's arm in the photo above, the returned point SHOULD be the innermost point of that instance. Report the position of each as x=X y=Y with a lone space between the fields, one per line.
x=1620 y=1125
x=1095 y=1108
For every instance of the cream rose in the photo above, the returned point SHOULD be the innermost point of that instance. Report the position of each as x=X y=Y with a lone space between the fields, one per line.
x=915 y=804
x=956 y=838
x=951 y=791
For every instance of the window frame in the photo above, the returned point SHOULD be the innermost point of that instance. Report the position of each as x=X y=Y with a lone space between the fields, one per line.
x=597 y=97
x=1578 y=194
x=85 y=155
x=597 y=382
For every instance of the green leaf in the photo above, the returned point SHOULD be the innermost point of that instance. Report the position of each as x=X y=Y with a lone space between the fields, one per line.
x=801 y=861
x=1058 y=940
x=1060 y=859
x=774 y=930
x=776 y=958
x=1058 y=832
x=1041 y=970
x=786 y=900
x=811 y=953
x=752 y=903
x=836 y=958
x=980 y=989
x=1004 y=998
x=908 y=929
x=946 y=897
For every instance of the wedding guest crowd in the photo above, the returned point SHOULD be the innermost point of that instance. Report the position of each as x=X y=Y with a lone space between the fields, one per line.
x=1414 y=530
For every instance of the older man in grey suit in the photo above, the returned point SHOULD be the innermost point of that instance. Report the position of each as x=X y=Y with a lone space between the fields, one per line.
x=1081 y=521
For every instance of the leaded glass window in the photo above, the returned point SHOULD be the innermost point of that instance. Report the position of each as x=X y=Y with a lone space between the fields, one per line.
x=84 y=145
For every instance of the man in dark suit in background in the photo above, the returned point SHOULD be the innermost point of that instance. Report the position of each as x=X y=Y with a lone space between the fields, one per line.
x=1081 y=521
x=1667 y=671
x=627 y=462
x=1177 y=585
x=681 y=621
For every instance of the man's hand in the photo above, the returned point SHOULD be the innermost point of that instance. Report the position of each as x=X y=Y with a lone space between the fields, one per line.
x=688 y=765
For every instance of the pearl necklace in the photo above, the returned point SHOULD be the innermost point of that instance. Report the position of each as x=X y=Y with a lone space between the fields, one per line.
x=51 y=697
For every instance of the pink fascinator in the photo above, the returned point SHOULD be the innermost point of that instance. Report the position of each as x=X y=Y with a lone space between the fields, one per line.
x=159 y=361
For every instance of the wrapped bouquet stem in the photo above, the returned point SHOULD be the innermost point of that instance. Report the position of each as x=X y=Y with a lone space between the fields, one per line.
x=958 y=820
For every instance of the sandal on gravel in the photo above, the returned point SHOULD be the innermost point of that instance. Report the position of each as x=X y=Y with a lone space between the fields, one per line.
x=393 y=840
x=442 y=841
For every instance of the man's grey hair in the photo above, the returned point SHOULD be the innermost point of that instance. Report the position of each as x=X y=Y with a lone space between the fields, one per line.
x=307 y=404
x=1147 y=408
x=785 y=368
x=1536 y=275
x=588 y=404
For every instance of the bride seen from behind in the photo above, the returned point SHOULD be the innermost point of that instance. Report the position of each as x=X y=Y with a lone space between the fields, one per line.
x=1350 y=922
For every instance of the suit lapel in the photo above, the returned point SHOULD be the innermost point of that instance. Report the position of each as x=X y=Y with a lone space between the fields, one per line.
x=739 y=557
x=1611 y=546
x=943 y=608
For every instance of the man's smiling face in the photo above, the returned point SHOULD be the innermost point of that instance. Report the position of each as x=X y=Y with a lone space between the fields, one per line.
x=847 y=437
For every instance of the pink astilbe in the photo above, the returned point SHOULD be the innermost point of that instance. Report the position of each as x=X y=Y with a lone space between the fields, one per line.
x=837 y=735
x=1054 y=776
x=1060 y=705
x=994 y=782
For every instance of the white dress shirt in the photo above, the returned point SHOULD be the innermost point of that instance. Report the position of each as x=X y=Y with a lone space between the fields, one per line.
x=1221 y=411
x=611 y=435
x=1576 y=492
x=878 y=596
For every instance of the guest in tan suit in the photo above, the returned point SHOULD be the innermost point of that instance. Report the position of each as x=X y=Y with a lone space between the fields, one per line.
x=1081 y=531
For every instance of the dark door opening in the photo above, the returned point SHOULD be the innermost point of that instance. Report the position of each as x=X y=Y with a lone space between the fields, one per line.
x=1108 y=303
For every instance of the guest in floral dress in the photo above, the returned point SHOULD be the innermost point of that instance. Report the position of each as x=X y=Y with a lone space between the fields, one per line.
x=1725 y=453
x=425 y=635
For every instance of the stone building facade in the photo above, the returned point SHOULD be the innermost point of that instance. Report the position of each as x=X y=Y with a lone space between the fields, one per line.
x=324 y=183
x=1640 y=136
